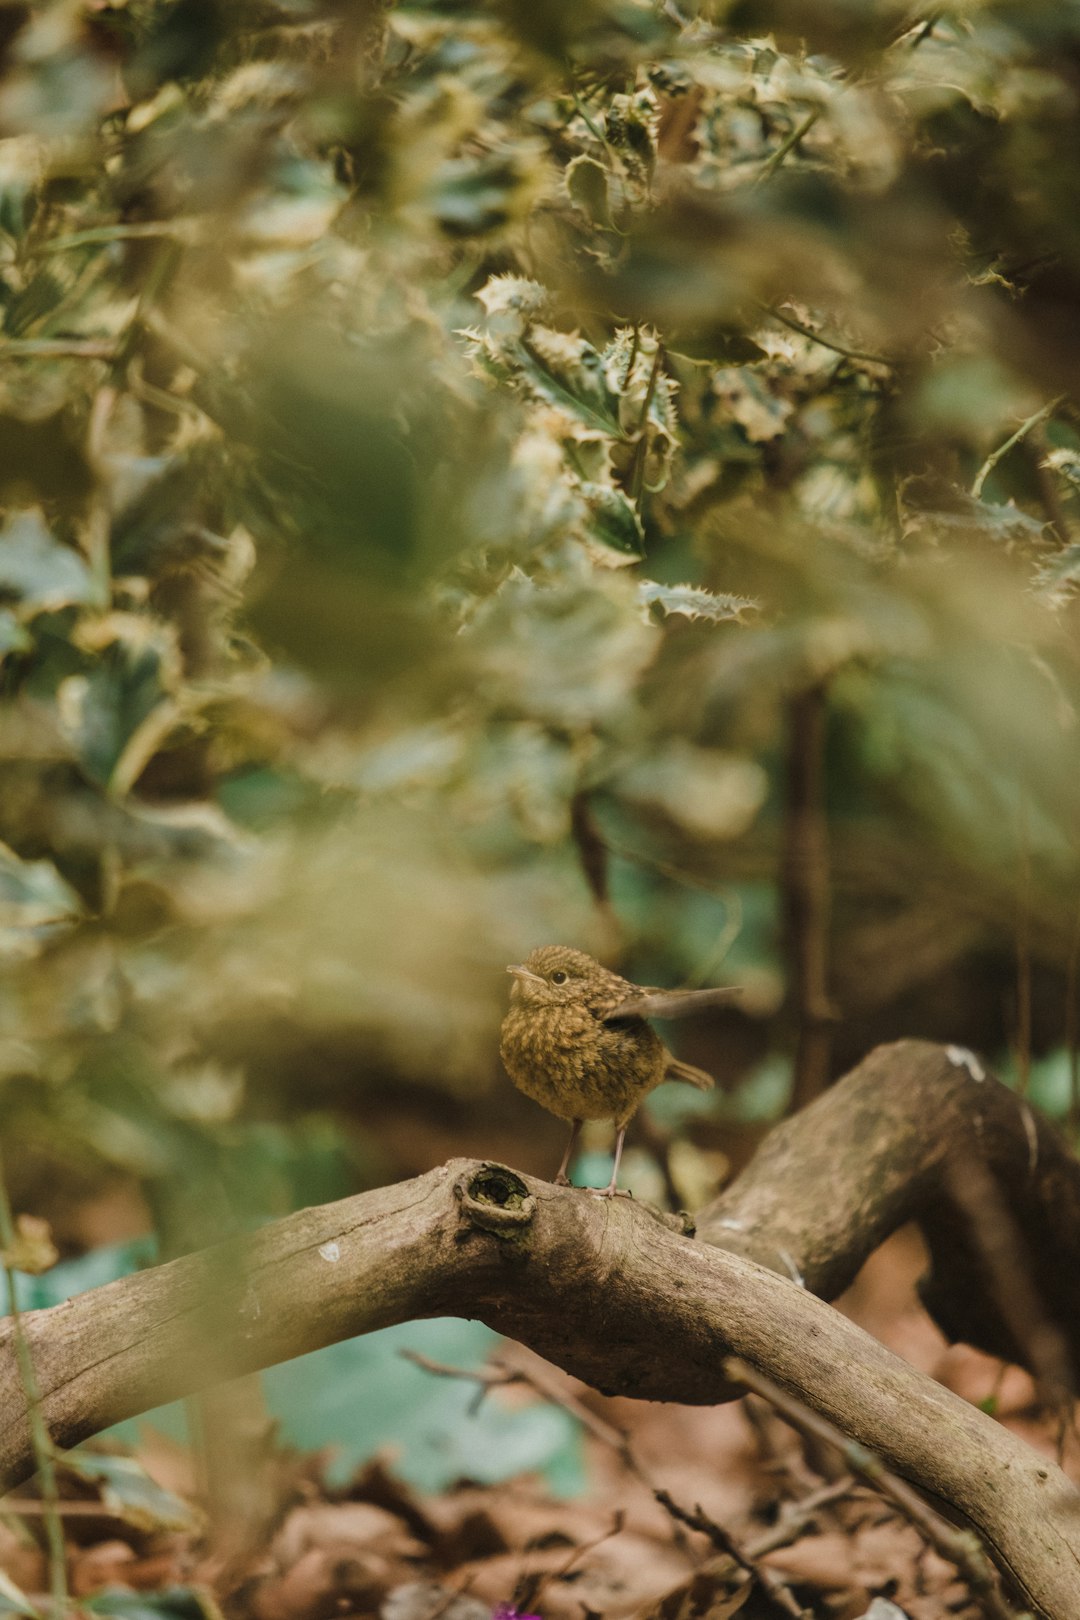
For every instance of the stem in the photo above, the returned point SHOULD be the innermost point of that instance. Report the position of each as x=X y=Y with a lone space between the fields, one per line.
x=826 y=343
x=805 y=885
x=788 y=144
x=100 y=235
x=1023 y=956
x=1072 y=1045
x=1003 y=449
x=40 y=1440
x=58 y=348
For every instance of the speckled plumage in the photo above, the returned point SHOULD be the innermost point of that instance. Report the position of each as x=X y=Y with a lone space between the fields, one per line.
x=559 y=1050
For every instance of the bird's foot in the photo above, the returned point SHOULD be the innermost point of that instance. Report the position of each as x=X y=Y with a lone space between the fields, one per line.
x=562 y=1180
x=612 y=1192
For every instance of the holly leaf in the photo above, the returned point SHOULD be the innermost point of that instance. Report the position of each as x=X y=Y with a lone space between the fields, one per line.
x=694 y=602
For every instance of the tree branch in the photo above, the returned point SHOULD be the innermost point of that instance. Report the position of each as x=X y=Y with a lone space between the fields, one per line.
x=885 y=1146
x=621 y=1299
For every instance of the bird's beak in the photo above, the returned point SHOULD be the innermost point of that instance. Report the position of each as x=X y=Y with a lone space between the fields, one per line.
x=520 y=972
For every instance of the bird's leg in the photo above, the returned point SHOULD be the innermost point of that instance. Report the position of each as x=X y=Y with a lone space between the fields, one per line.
x=611 y=1191
x=562 y=1179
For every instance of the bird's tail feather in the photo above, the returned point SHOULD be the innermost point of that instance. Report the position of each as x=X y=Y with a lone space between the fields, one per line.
x=675 y=1069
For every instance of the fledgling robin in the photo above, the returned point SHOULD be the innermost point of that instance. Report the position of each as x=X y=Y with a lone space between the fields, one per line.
x=576 y=1040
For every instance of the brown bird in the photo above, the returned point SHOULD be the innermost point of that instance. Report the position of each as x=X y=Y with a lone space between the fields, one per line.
x=576 y=1041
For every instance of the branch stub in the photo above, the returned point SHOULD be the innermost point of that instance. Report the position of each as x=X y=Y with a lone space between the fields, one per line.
x=495 y=1199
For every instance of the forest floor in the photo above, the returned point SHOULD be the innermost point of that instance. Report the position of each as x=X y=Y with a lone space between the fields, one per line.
x=778 y=1525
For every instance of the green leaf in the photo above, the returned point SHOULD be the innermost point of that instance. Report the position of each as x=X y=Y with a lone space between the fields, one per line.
x=39 y=571
x=440 y=1435
x=170 y=1603
x=13 y=636
x=128 y=1492
x=694 y=602
x=566 y=372
x=613 y=519
x=116 y=714
x=33 y=893
x=472 y=196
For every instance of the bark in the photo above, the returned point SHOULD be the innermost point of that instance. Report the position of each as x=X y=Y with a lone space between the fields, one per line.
x=902 y=1138
x=627 y=1301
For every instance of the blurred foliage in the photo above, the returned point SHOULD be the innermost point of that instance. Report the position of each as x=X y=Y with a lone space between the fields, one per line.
x=438 y=447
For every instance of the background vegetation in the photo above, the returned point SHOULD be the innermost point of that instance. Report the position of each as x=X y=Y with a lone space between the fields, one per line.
x=481 y=475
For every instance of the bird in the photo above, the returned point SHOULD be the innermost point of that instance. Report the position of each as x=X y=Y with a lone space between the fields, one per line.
x=576 y=1040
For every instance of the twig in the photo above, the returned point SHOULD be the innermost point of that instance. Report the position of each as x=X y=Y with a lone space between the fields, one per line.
x=1006 y=1258
x=826 y=343
x=498 y=1372
x=529 y=1587
x=1036 y=448
x=795 y=1516
x=773 y=1585
x=40 y=1439
x=921 y=31
x=962 y=1548
x=30 y=1508
x=59 y=348
x=1023 y=953
x=447 y=1602
x=1003 y=449
x=1072 y=1016
x=593 y=855
x=101 y=235
x=805 y=884
x=788 y=144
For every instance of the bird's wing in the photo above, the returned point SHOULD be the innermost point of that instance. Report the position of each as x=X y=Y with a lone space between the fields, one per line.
x=671 y=1003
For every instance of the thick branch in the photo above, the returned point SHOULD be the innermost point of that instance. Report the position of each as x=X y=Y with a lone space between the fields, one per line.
x=598 y=1286
x=894 y=1142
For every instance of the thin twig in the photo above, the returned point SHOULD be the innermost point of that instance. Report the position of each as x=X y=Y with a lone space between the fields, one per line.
x=593 y=855
x=805 y=886
x=962 y=1548
x=1010 y=443
x=1072 y=1016
x=31 y=1508
x=921 y=31
x=788 y=144
x=795 y=1516
x=773 y=1585
x=536 y=1586
x=59 y=348
x=1023 y=953
x=102 y=235
x=826 y=343
x=498 y=1372
x=1007 y=1262
x=40 y=1439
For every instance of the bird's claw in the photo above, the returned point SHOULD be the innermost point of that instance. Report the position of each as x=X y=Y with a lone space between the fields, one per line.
x=562 y=1180
x=612 y=1192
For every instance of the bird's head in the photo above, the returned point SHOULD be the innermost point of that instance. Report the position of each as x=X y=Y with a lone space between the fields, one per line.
x=553 y=976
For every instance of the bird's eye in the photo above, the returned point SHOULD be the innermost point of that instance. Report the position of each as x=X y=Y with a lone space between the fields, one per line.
x=558 y=977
